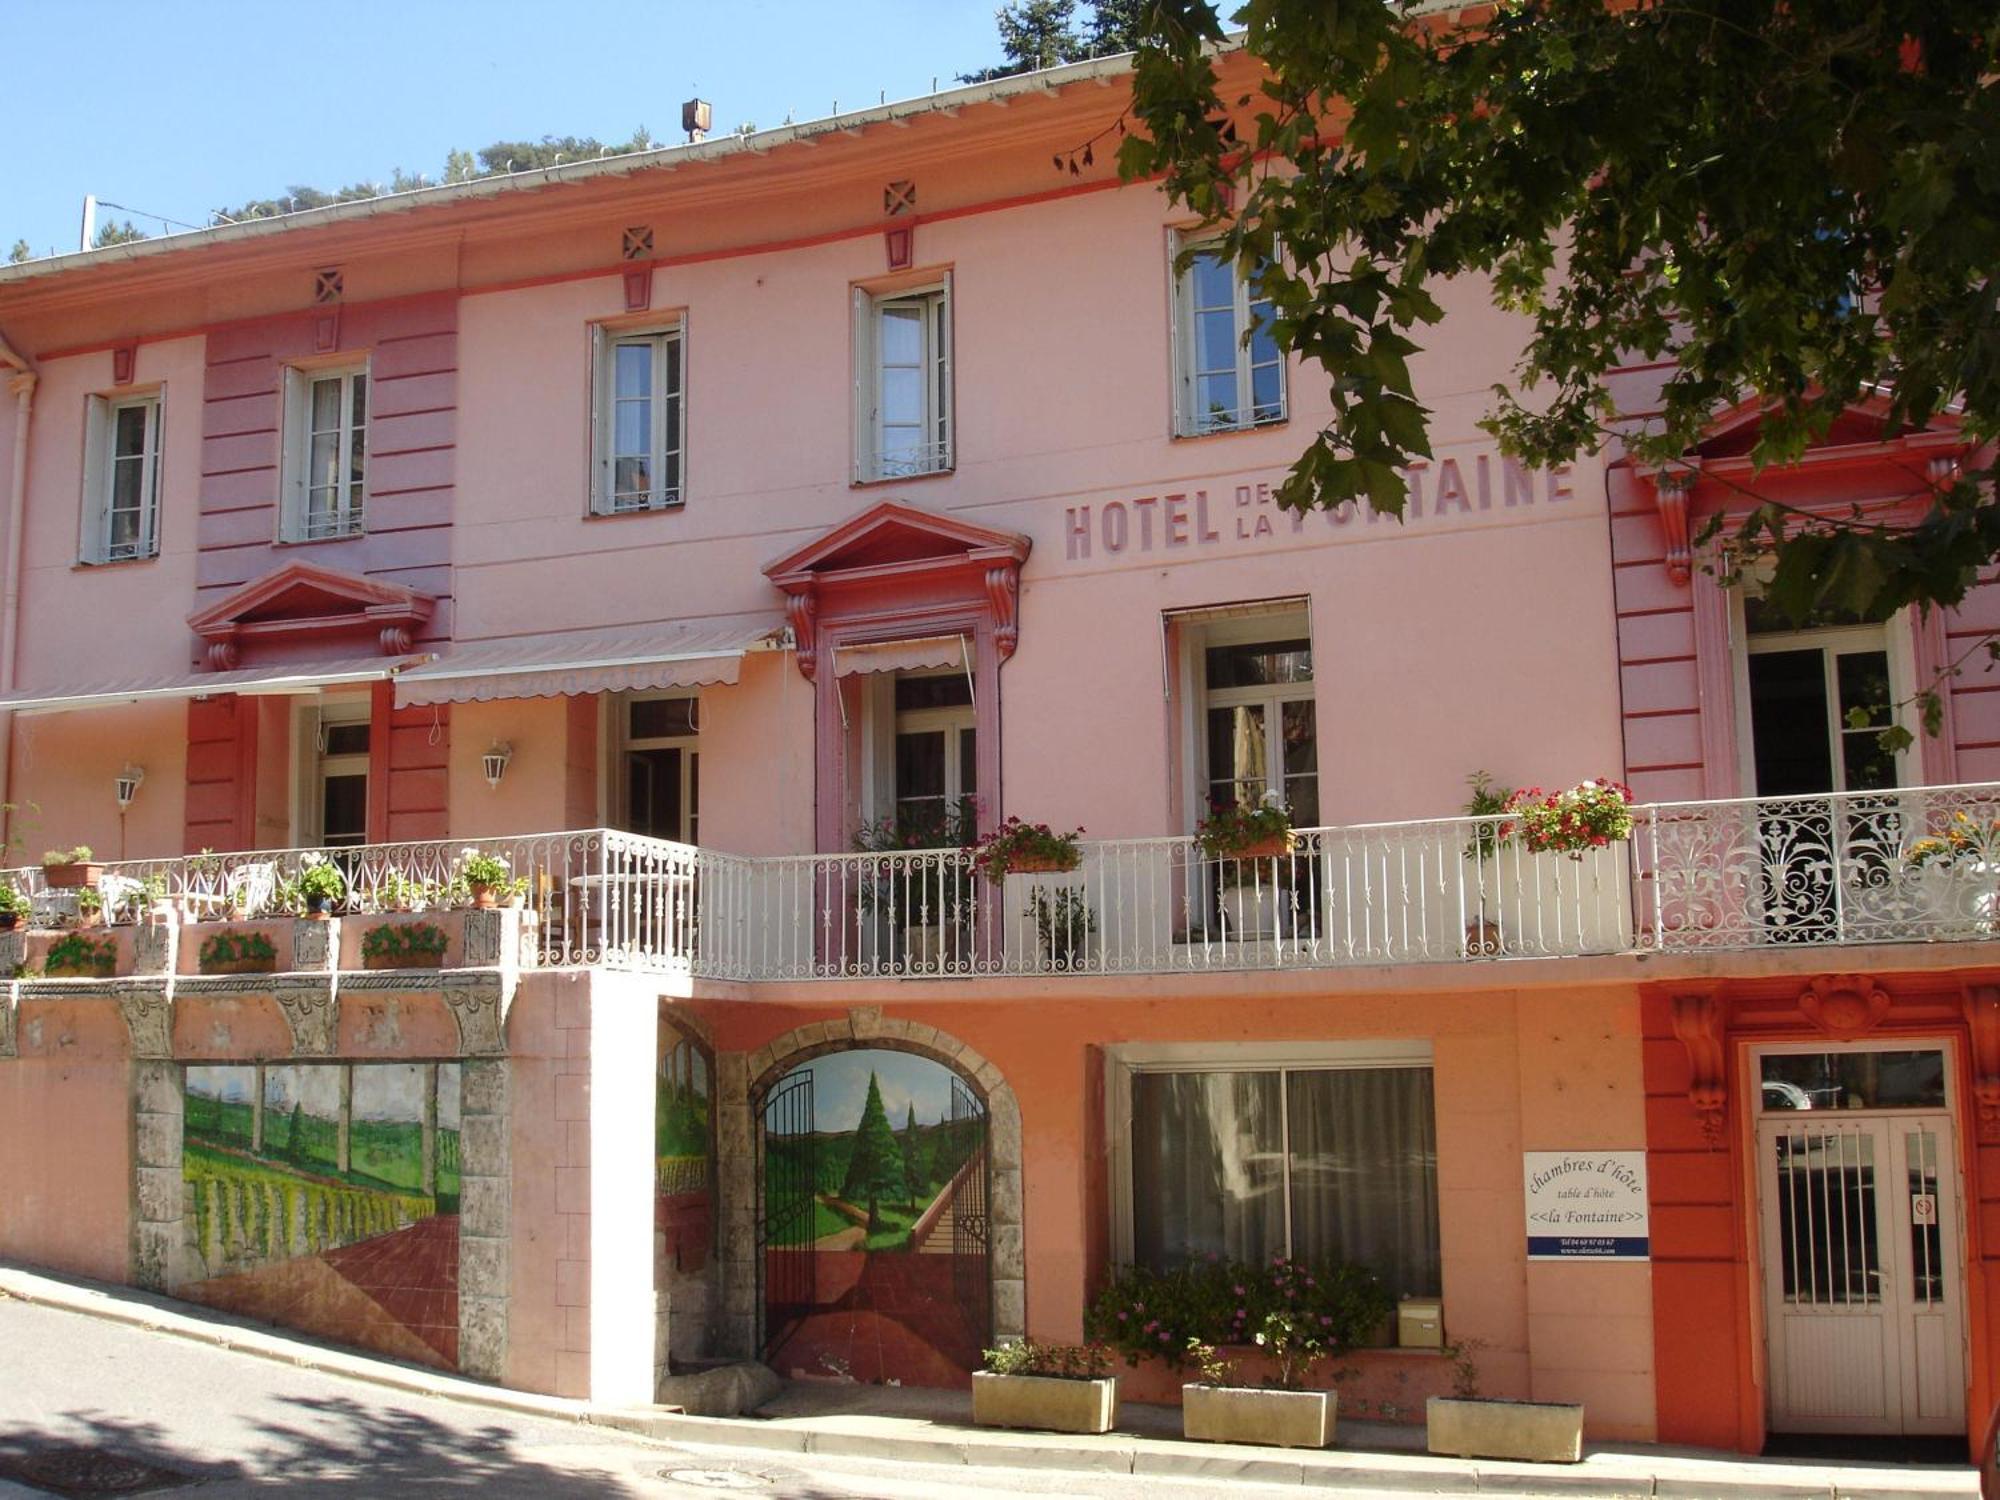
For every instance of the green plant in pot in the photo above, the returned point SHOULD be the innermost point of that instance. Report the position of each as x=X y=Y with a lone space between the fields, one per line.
x=404 y=945
x=1018 y=848
x=484 y=875
x=69 y=869
x=320 y=885
x=1236 y=833
x=75 y=956
x=14 y=907
x=235 y=952
x=1065 y=924
x=1051 y=1387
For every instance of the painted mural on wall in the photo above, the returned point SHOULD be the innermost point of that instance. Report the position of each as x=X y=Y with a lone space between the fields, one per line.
x=324 y=1196
x=683 y=1148
x=876 y=1190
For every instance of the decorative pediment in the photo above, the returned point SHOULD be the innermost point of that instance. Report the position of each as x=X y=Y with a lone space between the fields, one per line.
x=896 y=551
x=1859 y=439
x=303 y=602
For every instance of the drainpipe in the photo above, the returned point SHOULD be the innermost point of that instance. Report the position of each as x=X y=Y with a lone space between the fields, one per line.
x=22 y=384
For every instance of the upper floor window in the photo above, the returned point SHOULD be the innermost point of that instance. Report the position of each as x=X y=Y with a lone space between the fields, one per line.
x=1259 y=716
x=1228 y=372
x=1819 y=699
x=639 y=420
x=121 y=501
x=326 y=453
x=902 y=382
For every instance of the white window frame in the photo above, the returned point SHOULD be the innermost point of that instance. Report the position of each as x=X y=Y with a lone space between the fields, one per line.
x=1285 y=622
x=872 y=465
x=954 y=722
x=310 y=718
x=100 y=477
x=1188 y=421
x=622 y=742
x=1892 y=637
x=1123 y=1060
x=350 y=513
x=668 y=436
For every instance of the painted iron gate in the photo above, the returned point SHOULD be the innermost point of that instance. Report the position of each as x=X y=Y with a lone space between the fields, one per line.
x=971 y=1247
x=787 y=1265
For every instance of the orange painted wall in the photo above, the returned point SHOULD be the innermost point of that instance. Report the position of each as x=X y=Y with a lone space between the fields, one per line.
x=66 y=1114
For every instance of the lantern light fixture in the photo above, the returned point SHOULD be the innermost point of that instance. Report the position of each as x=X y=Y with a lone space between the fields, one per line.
x=495 y=762
x=127 y=785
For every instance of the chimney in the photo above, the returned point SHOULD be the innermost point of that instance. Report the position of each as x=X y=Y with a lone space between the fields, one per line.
x=696 y=116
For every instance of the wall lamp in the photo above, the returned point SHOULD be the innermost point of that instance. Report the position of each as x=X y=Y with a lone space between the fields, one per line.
x=495 y=762
x=127 y=785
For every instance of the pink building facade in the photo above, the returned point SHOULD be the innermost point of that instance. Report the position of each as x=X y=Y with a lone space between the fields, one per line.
x=671 y=526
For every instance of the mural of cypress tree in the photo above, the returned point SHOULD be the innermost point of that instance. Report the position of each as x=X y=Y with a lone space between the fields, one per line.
x=875 y=1167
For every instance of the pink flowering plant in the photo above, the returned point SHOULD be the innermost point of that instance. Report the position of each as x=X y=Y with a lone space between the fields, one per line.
x=1016 y=845
x=1049 y=1361
x=1589 y=815
x=1295 y=1311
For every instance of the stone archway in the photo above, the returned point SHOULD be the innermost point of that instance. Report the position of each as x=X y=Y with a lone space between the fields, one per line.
x=743 y=1081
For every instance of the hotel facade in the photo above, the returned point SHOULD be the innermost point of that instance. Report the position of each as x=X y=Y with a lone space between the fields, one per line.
x=703 y=533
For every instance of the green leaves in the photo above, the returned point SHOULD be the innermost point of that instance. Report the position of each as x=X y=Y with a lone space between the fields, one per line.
x=1798 y=203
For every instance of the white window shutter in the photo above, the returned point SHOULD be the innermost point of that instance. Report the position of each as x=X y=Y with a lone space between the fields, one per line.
x=864 y=385
x=149 y=509
x=599 y=478
x=292 y=493
x=96 y=478
x=1177 y=336
x=947 y=395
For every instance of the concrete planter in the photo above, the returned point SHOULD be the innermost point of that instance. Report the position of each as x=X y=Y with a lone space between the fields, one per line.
x=1245 y=1414
x=1546 y=1432
x=1044 y=1403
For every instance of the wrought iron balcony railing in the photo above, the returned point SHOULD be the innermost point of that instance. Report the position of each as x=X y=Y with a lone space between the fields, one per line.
x=1917 y=865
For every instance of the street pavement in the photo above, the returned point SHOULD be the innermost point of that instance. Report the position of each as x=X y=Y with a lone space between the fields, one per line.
x=234 y=1424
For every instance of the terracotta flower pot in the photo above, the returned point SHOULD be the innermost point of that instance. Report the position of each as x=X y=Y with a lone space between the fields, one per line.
x=72 y=876
x=425 y=959
x=482 y=897
x=243 y=966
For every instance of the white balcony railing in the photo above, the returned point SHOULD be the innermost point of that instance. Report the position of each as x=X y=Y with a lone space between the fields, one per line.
x=1819 y=871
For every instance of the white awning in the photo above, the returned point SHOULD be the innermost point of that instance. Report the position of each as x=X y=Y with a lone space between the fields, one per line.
x=919 y=654
x=249 y=681
x=673 y=654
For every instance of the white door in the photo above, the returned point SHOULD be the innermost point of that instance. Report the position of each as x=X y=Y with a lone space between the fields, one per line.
x=1863 y=1286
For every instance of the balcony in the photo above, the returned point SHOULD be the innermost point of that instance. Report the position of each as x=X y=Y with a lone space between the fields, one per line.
x=1909 y=866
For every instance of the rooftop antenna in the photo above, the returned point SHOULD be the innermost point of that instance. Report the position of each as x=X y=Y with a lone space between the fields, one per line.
x=88 y=230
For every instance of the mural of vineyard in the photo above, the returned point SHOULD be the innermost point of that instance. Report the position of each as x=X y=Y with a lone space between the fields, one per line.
x=324 y=1196
x=869 y=1194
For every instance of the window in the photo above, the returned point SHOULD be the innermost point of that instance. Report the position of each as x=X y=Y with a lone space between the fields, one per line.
x=1246 y=1157
x=1818 y=702
x=639 y=421
x=326 y=453
x=937 y=751
x=660 y=786
x=121 y=502
x=902 y=383
x=1227 y=369
x=1259 y=721
x=336 y=738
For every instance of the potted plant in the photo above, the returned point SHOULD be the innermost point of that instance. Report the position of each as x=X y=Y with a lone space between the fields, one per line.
x=320 y=886
x=1065 y=924
x=1017 y=848
x=398 y=892
x=1465 y=1425
x=1958 y=869
x=69 y=869
x=1492 y=833
x=1048 y=1387
x=232 y=952
x=89 y=907
x=13 y=906
x=1249 y=845
x=1590 y=815
x=483 y=874
x=924 y=886
x=148 y=899
x=1559 y=863
x=1219 y=1408
x=403 y=945
x=74 y=956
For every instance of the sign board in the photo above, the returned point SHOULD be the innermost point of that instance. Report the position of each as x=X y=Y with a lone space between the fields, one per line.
x=1586 y=1205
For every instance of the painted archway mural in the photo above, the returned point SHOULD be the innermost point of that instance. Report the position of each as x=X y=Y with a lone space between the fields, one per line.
x=877 y=1240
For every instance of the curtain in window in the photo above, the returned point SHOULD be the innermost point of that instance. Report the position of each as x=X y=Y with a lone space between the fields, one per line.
x=1364 y=1172
x=1208 y=1167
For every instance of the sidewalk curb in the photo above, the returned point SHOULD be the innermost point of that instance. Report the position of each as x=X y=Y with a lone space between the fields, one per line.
x=1331 y=1471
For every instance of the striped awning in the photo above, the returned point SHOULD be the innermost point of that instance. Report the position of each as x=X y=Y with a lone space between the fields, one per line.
x=919 y=654
x=250 y=681
x=672 y=654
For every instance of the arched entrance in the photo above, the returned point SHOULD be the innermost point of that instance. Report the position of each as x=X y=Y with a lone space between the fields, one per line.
x=885 y=1192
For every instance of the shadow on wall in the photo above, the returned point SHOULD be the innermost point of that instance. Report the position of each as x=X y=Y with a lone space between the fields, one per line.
x=338 y=1445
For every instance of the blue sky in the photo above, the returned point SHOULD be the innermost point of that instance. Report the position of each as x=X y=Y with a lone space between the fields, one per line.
x=840 y=1087
x=182 y=108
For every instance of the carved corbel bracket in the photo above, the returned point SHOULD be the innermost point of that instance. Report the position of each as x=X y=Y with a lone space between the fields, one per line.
x=1671 y=489
x=1701 y=1022
x=1981 y=1003
x=313 y=1013
x=1844 y=1006
x=10 y=1011
x=149 y=1020
x=1003 y=591
x=802 y=610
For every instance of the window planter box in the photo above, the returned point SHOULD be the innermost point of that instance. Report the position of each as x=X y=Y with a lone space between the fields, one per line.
x=1247 y=1414
x=70 y=877
x=243 y=966
x=1547 y=1432
x=1044 y=1403
x=1034 y=864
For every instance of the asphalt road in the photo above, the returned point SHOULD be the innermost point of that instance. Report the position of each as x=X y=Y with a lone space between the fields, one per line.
x=77 y=1390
